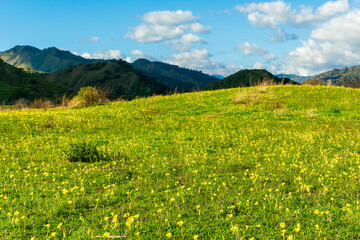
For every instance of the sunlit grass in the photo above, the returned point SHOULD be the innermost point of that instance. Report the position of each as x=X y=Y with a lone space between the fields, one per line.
x=201 y=165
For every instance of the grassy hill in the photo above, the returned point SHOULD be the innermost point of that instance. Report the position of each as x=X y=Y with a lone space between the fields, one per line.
x=118 y=77
x=173 y=76
x=258 y=163
x=16 y=83
x=247 y=78
x=47 y=60
x=348 y=77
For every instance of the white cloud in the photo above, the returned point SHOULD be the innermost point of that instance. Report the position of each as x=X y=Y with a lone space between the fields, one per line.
x=158 y=26
x=259 y=65
x=344 y=28
x=281 y=36
x=333 y=44
x=168 y=17
x=146 y=33
x=185 y=42
x=267 y=14
x=140 y=54
x=104 y=54
x=201 y=60
x=273 y=14
x=199 y=28
x=91 y=39
x=252 y=49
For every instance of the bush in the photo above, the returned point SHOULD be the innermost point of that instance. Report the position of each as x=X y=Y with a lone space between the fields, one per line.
x=86 y=152
x=21 y=104
x=313 y=82
x=41 y=104
x=88 y=96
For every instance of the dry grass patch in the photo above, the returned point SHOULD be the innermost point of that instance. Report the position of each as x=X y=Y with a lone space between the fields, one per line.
x=41 y=104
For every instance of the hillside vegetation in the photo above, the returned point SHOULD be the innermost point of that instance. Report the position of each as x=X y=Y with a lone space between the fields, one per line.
x=174 y=77
x=347 y=77
x=47 y=60
x=118 y=77
x=248 y=78
x=277 y=162
x=16 y=83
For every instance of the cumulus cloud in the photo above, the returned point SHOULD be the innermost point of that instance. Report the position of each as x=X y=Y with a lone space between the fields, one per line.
x=169 y=17
x=201 y=59
x=259 y=65
x=273 y=14
x=344 y=28
x=140 y=54
x=158 y=26
x=252 y=49
x=91 y=39
x=185 y=42
x=198 y=28
x=333 y=44
x=104 y=54
x=282 y=36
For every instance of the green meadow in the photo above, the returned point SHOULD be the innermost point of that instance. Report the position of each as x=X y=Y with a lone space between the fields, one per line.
x=279 y=162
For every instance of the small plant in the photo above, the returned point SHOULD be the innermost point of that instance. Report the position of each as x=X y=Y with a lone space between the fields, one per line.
x=64 y=102
x=21 y=104
x=313 y=82
x=86 y=152
x=41 y=104
x=247 y=98
x=88 y=96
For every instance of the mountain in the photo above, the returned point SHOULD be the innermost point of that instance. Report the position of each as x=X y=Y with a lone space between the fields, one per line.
x=47 y=60
x=296 y=78
x=118 y=77
x=173 y=76
x=16 y=83
x=347 y=77
x=247 y=78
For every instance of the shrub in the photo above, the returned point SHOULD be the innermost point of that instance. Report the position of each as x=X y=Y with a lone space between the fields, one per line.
x=88 y=96
x=41 y=104
x=65 y=101
x=21 y=104
x=247 y=98
x=313 y=82
x=86 y=152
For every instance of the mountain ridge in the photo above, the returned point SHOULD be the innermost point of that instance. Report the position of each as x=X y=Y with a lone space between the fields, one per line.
x=49 y=59
x=173 y=76
x=118 y=77
x=248 y=78
x=347 y=76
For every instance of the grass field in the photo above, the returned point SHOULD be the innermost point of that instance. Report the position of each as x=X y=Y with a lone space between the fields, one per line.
x=278 y=162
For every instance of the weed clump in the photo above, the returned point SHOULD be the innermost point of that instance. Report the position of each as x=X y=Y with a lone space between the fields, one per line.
x=88 y=96
x=41 y=104
x=87 y=152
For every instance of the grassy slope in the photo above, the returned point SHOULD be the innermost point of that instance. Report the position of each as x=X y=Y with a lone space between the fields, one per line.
x=290 y=154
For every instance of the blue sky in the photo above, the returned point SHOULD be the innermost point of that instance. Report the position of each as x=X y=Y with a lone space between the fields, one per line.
x=217 y=37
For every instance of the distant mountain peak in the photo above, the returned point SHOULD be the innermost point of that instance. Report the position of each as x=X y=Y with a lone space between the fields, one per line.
x=247 y=78
x=26 y=48
x=142 y=61
x=347 y=76
x=49 y=59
